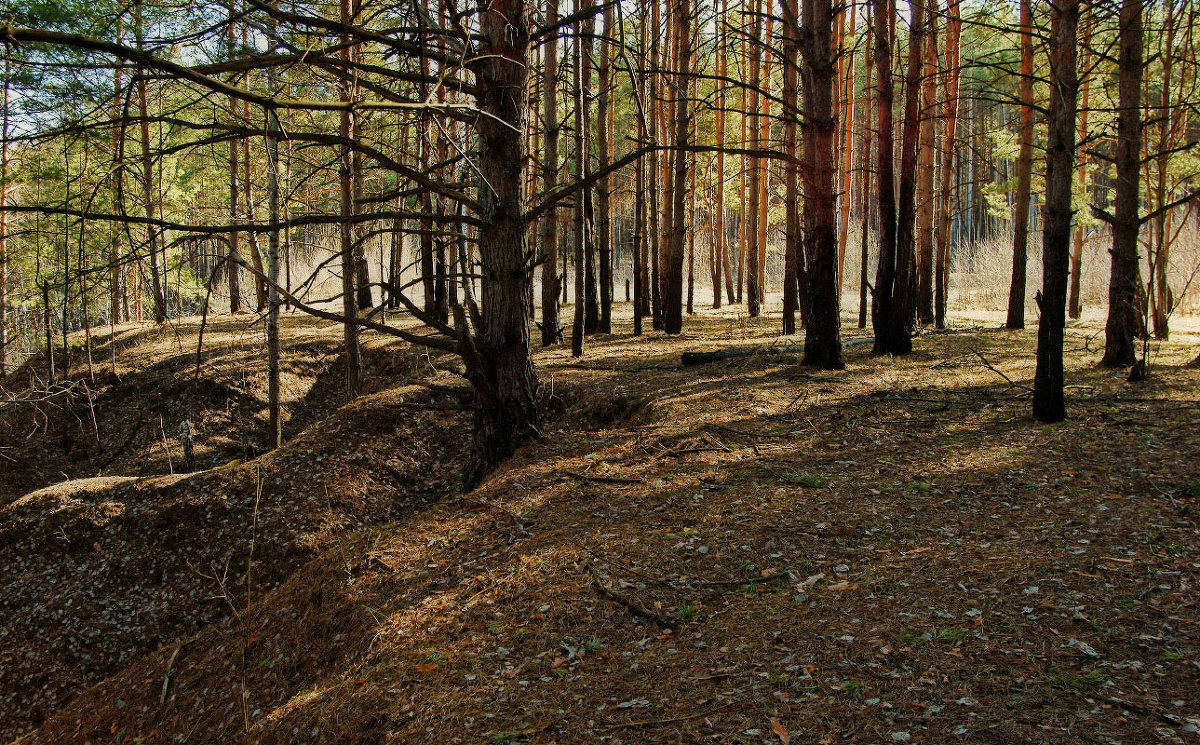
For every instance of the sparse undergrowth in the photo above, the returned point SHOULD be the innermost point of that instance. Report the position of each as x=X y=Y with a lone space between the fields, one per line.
x=725 y=553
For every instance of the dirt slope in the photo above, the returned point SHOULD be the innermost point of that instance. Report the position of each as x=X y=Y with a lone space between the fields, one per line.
x=738 y=553
x=100 y=571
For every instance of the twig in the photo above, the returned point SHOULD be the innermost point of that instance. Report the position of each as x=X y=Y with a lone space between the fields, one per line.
x=166 y=449
x=599 y=479
x=497 y=508
x=634 y=607
x=1139 y=709
x=162 y=697
x=992 y=367
x=651 y=722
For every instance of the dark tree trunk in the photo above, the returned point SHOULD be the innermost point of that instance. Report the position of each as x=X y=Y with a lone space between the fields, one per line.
x=866 y=203
x=348 y=128
x=750 y=211
x=1124 y=314
x=362 y=275
x=497 y=357
x=1048 y=404
x=604 y=187
x=673 y=245
x=548 y=230
x=1016 y=291
x=893 y=331
x=822 y=340
x=1074 y=301
x=793 y=255
x=581 y=237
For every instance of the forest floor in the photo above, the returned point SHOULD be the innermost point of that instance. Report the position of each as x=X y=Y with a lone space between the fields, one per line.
x=740 y=552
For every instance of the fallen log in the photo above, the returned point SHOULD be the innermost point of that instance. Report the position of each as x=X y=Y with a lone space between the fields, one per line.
x=687 y=359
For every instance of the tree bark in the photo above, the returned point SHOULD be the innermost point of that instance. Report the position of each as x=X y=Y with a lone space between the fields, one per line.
x=1016 y=291
x=604 y=186
x=497 y=357
x=4 y=224
x=273 y=131
x=822 y=340
x=750 y=213
x=888 y=314
x=348 y=129
x=864 y=168
x=719 y=239
x=673 y=245
x=1075 y=305
x=156 y=289
x=582 y=222
x=949 y=166
x=925 y=172
x=1121 y=329
x=1048 y=403
x=793 y=256
x=548 y=230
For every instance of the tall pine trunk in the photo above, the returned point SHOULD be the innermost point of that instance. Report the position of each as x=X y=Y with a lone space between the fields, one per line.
x=673 y=245
x=548 y=230
x=348 y=129
x=1074 y=303
x=822 y=340
x=793 y=256
x=604 y=186
x=1048 y=403
x=1016 y=291
x=949 y=154
x=926 y=171
x=152 y=238
x=750 y=211
x=1124 y=315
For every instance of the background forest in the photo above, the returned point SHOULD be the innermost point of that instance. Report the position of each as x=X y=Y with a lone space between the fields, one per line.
x=166 y=159
x=738 y=371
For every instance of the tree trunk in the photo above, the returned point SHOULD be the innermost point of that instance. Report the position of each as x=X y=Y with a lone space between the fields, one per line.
x=1123 y=324
x=118 y=146
x=1016 y=291
x=654 y=197
x=949 y=166
x=1172 y=123
x=1074 y=305
x=822 y=340
x=548 y=230
x=582 y=226
x=604 y=186
x=497 y=357
x=892 y=334
x=925 y=172
x=156 y=290
x=1048 y=403
x=847 y=122
x=750 y=212
x=719 y=239
x=764 y=137
x=864 y=169
x=673 y=245
x=4 y=224
x=348 y=129
x=273 y=131
x=793 y=255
